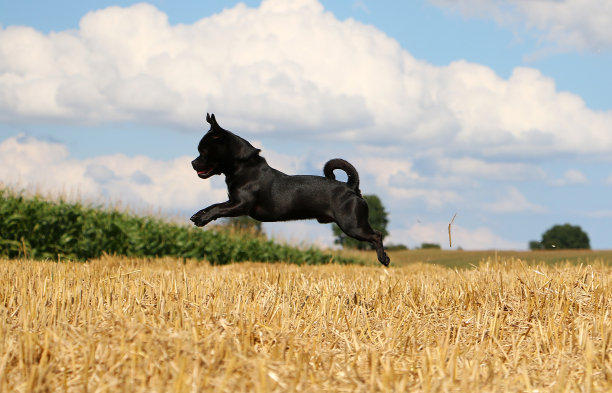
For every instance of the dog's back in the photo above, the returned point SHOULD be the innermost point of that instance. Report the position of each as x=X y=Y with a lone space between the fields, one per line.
x=282 y=197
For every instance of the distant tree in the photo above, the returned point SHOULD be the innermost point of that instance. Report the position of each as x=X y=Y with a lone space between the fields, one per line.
x=430 y=246
x=396 y=247
x=563 y=237
x=378 y=221
x=535 y=245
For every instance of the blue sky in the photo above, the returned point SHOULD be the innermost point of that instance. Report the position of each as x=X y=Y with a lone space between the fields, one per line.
x=498 y=111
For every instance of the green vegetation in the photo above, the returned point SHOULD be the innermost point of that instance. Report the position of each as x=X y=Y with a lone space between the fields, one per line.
x=395 y=247
x=425 y=246
x=37 y=228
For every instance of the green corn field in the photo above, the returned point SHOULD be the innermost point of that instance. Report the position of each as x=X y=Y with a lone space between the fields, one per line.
x=34 y=227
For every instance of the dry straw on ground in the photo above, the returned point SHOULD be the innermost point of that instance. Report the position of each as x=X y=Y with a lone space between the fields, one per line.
x=116 y=324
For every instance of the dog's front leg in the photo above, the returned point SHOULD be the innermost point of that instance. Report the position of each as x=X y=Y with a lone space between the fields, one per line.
x=218 y=210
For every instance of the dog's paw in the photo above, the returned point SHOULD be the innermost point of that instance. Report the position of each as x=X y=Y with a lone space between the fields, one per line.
x=198 y=219
x=385 y=260
x=200 y=222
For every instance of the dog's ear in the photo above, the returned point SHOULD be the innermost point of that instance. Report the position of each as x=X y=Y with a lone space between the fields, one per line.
x=215 y=128
x=213 y=122
x=211 y=119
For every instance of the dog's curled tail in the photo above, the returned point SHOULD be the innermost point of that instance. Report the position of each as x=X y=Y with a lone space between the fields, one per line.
x=338 y=163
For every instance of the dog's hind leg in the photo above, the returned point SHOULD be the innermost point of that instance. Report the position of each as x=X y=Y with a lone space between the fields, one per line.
x=368 y=234
x=356 y=225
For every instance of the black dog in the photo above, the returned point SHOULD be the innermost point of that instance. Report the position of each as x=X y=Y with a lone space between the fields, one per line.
x=265 y=194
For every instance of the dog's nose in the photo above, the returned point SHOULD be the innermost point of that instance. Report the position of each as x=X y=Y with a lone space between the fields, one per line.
x=193 y=163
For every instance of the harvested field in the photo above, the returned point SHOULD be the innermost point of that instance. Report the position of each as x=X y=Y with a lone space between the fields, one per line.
x=118 y=324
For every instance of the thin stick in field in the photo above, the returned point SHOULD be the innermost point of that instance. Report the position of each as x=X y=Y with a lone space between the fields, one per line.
x=450 y=242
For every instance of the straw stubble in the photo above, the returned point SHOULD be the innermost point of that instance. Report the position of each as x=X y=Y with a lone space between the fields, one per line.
x=118 y=324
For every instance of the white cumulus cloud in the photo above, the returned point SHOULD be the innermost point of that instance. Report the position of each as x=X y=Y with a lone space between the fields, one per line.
x=575 y=24
x=285 y=67
x=511 y=200
x=571 y=177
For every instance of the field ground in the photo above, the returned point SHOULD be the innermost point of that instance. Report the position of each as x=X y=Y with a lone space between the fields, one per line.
x=118 y=324
x=471 y=259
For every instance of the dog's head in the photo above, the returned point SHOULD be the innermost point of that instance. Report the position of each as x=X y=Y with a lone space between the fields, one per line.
x=220 y=151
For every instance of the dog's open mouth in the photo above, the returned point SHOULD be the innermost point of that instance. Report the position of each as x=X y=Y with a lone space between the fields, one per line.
x=205 y=174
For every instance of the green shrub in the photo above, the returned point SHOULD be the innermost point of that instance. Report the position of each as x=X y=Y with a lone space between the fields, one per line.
x=41 y=229
x=426 y=246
